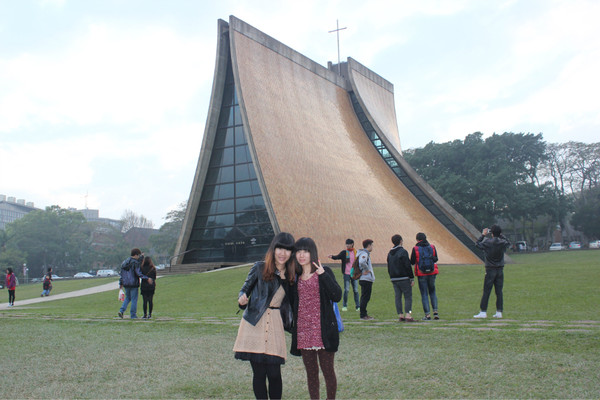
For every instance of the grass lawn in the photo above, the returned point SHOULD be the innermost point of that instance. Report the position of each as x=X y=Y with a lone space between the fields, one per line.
x=546 y=347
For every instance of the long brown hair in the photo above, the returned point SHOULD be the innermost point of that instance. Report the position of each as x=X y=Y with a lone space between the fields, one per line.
x=148 y=261
x=282 y=240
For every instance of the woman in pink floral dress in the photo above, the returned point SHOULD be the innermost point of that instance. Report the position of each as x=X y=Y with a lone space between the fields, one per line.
x=315 y=334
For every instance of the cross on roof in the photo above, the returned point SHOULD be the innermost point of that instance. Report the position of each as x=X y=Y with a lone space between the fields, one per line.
x=337 y=31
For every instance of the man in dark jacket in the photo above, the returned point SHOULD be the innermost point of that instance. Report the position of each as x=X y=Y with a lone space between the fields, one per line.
x=347 y=257
x=402 y=278
x=494 y=249
x=424 y=257
x=130 y=281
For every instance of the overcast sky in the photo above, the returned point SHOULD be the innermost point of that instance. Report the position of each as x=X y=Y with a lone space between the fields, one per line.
x=103 y=102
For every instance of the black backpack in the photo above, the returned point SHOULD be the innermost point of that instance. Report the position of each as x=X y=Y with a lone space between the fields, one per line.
x=426 y=264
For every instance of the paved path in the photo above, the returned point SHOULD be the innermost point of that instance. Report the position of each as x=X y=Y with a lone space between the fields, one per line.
x=83 y=292
x=96 y=289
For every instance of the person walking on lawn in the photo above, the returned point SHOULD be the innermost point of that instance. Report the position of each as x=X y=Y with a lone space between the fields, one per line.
x=130 y=281
x=11 y=284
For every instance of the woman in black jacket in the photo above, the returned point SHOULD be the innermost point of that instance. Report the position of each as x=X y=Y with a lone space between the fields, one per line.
x=147 y=289
x=315 y=334
x=261 y=338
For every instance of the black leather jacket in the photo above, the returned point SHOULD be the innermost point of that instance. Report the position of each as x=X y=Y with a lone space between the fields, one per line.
x=260 y=293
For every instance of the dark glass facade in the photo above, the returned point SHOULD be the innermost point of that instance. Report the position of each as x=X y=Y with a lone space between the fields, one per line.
x=408 y=181
x=231 y=221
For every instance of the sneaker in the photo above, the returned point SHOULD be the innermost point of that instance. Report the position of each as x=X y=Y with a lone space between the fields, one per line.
x=344 y=308
x=145 y=317
x=120 y=315
x=498 y=314
x=367 y=318
x=435 y=315
x=427 y=318
x=482 y=314
x=357 y=308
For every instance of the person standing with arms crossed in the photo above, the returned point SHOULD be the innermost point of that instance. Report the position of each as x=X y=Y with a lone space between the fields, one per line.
x=347 y=257
x=494 y=249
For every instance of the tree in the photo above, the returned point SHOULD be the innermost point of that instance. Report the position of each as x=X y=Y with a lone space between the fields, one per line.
x=485 y=180
x=108 y=247
x=54 y=237
x=14 y=258
x=586 y=217
x=165 y=240
x=130 y=220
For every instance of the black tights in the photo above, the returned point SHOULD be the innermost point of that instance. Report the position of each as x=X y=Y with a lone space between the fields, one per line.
x=325 y=358
x=11 y=297
x=148 y=303
x=261 y=372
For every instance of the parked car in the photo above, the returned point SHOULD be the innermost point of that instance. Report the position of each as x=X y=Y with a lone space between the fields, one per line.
x=56 y=277
x=574 y=245
x=160 y=266
x=106 y=272
x=521 y=246
x=594 y=244
x=555 y=246
x=83 y=275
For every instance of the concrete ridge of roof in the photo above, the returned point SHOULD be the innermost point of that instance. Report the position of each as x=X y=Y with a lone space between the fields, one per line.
x=298 y=58
x=370 y=74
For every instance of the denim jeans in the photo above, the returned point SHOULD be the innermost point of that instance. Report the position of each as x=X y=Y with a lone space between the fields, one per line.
x=131 y=295
x=403 y=288
x=347 y=282
x=46 y=292
x=493 y=277
x=427 y=289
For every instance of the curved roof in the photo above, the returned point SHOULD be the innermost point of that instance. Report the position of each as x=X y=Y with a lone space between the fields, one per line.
x=376 y=96
x=321 y=174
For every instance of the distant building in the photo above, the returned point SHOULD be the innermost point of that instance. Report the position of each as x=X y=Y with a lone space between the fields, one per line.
x=94 y=216
x=12 y=209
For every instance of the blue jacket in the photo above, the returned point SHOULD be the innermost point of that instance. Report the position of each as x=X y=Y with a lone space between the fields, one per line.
x=131 y=272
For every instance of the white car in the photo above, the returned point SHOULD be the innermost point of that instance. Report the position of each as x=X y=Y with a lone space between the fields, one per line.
x=574 y=245
x=595 y=244
x=83 y=275
x=555 y=246
x=106 y=272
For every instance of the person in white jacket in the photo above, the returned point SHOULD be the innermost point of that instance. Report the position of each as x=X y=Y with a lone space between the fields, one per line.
x=367 y=278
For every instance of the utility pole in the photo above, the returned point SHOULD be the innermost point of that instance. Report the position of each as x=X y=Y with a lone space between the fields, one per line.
x=337 y=31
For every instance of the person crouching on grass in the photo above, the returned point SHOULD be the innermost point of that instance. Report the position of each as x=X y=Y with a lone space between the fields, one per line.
x=315 y=334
